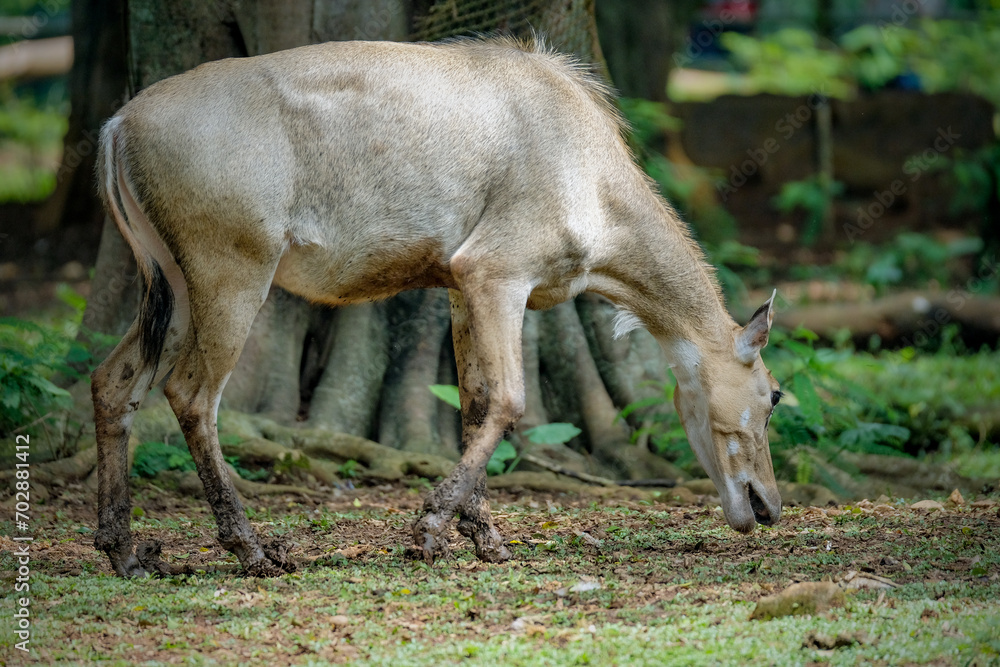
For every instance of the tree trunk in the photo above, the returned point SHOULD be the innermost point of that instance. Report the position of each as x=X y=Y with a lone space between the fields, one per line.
x=365 y=369
x=72 y=216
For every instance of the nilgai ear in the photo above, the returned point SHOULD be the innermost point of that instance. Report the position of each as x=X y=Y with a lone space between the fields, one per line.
x=753 y=336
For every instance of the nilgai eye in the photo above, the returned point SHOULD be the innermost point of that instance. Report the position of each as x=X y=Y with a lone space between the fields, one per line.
x=775 y=397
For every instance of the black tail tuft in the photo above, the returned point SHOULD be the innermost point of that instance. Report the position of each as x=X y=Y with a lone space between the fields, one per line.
x=154 y=316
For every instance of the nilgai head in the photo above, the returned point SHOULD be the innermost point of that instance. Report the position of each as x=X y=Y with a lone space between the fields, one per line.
x=725 y=401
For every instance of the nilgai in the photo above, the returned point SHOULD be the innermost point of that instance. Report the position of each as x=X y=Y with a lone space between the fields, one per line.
x=351 y=171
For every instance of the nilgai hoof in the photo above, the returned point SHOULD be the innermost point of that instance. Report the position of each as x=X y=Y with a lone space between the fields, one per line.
x=490 y=546
x=429 y=540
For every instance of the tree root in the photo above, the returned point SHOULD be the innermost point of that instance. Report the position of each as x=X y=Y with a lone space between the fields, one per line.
x=549 y=482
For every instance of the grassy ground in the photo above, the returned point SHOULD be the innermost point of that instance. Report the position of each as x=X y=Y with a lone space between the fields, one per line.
x=611 y=583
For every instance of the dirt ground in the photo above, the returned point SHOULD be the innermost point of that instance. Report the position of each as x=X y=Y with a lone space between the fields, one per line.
x=582 y=568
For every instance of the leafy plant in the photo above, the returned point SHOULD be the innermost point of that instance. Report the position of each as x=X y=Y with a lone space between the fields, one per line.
x=32 y=134
x=910 y=259
x=812 y=195
x=29 y=356
x=975 y=176
x=823 y=409
x=791 y=62
x=664 y=429
x=505 y=458
x=154 y=457
x=349 y=468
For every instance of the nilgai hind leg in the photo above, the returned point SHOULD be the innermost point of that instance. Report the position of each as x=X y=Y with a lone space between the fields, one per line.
x=118 y=386
x=486 y=318
x=223 y=306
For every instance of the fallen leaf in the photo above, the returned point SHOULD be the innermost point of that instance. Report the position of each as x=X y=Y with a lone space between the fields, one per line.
x=354 y=551
x=927 y=505
x=956 y=498
x=810 y=597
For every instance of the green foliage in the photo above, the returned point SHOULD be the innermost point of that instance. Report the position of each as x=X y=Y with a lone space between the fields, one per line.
x=909 y=259
x=33 y=7
x=30 y=354
x=552 y=434
x=824 y=409
x=945 y=55
x=505 y=458
x=447 y=393
x=252 y=474
x=33 y=354
x=349 y=469
x=665 y=432
x=814 y=196
x=937 y=396
x=791 y=62
x=975 y=176
x=33 y=136
x=153 y=457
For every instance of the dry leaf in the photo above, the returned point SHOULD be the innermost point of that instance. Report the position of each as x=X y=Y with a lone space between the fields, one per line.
x=927 y=505
x=956 y=498
x=353 y=551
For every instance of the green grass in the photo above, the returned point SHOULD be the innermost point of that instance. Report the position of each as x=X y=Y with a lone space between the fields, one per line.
x=676 y=586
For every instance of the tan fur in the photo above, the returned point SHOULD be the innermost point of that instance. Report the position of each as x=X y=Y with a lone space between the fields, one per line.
x=350 y=171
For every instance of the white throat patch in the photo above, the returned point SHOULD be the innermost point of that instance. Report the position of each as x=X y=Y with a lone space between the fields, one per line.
x=625 y=321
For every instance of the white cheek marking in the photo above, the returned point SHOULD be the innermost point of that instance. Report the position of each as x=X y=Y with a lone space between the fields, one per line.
x=745 y=418
x=734 y=447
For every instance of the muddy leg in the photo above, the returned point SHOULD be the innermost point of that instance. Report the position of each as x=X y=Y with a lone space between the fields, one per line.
x=217 y=334
x=119 y=386
x=487 y=341
x=476 y=523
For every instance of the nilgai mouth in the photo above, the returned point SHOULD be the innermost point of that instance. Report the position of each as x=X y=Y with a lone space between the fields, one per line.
x=760 y=512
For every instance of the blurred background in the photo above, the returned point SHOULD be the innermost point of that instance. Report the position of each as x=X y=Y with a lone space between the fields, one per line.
x=843 y=151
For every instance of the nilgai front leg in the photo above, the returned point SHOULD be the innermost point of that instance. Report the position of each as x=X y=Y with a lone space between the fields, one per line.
x=475 y=521
x=486 y=318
